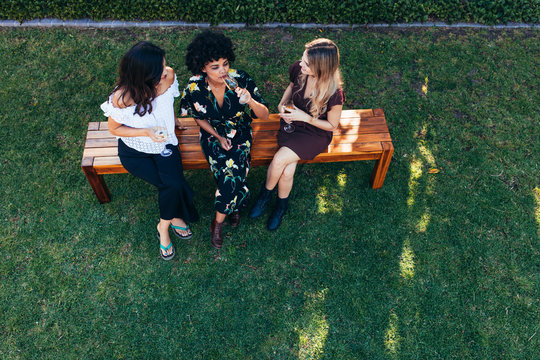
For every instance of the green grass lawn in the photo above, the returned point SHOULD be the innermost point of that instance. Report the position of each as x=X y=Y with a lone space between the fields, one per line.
x=432 y=266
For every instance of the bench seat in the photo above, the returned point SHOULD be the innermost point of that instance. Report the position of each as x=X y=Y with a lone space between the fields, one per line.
x=361 y=135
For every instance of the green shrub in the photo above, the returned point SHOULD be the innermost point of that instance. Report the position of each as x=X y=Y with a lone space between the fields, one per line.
x=267 y=11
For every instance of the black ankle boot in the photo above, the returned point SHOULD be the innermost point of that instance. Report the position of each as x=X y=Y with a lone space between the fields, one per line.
x=277 y=215
x=262 y=201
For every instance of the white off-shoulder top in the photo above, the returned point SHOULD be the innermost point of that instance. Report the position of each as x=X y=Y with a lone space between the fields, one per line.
x=162 y=115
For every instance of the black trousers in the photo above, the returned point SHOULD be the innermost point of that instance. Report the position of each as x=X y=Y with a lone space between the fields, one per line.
x=166 y=173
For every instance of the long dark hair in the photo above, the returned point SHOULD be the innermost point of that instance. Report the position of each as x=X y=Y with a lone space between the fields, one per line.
x=140 y=72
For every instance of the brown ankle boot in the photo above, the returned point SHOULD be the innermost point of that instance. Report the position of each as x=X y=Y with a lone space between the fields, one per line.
x=217 y=238
x=234 y=219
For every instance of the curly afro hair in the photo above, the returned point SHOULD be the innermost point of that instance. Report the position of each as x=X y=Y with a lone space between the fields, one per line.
x=206 y=47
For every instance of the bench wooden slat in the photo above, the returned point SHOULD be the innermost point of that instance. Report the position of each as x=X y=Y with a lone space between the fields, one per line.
x=94 y=143
x=361 y=135
x=99 y=134
x=100 y=152
x=93 y=126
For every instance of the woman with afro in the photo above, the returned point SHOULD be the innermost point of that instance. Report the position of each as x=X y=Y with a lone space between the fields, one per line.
x=224 y=114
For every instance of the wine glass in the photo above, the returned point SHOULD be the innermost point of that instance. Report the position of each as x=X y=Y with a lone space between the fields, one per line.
x=161 y=132
x=288 y=127
x=232 y=84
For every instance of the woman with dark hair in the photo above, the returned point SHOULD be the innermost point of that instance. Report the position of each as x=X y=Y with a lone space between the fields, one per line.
x=310 y=110
x=141 y=115
x=224 y=112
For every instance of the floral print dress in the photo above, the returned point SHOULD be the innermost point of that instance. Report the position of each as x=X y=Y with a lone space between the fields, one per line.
x=232 y=120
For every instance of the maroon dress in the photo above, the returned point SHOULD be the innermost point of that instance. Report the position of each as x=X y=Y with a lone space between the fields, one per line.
x=307 y=141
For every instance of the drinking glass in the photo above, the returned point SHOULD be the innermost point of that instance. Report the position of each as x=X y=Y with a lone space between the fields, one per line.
x=288 y=127
x=162 y=132
x=232 y=84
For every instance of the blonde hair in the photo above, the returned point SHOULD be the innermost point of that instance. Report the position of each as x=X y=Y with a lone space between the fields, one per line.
x=323 y=57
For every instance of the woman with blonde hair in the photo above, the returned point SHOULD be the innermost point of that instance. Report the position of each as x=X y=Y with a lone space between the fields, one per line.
x=310 y=110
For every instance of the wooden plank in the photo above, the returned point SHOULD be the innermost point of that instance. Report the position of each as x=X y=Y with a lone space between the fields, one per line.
x=193 y=157
x=105 y=134
x=87 y=161
x=100 y=152
x=93 y=126
x=110 y=169
x=104 y=125
x=107 y=161
x=97 y=183
x=356 y=147
x=381 y=166
x=94 y=143
x=352 y=157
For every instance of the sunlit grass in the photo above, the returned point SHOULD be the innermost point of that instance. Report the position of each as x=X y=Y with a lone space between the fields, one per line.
x=426 y=153
x=406 y=262
x=425 y=86
x=415 y=173
x=392 y=338
x=312 y=335
x=328 y=201
x=423 y=223
x=342 y=179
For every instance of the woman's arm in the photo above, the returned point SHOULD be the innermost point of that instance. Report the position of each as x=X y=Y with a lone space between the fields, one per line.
x=118 y=129
x=286 y=98
x=226 y=143
x=334 y=115
x=260 y=110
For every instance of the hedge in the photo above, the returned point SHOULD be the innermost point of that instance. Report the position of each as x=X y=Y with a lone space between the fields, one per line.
x=268 y=11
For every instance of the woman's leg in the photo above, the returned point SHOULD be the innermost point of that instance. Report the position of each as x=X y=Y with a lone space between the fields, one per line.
x=220 y=217
x=144 y=168
x=286 y=180
x=167 y=175
x=175 y=196
x=283 y=157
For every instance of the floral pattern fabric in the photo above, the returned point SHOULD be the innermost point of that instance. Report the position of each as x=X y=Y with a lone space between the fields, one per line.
x=232 y=120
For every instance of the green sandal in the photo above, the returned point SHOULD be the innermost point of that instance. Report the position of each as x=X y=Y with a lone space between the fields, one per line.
x=183 y=237
x=165 y=249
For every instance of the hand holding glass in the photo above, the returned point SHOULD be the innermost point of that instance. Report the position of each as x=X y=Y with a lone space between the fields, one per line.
x=288 y=127
x=161 y=134
x=232 y=84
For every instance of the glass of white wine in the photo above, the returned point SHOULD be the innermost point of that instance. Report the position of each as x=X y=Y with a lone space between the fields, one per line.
x=161 y=132
x=232 y=84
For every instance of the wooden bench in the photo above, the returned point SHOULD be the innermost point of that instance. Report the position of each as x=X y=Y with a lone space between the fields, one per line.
x=361 y=135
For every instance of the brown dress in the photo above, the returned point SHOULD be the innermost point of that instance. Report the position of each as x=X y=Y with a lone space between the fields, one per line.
x=307 y=141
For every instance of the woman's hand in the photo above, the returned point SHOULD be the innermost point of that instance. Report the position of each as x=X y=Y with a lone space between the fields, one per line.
x=243 y=94
x=153 y=134
x=225 y=143
x=294 y=114
x=179 y=124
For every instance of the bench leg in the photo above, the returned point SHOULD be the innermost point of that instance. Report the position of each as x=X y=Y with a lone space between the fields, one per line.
x=98 y=184
x=381 y=166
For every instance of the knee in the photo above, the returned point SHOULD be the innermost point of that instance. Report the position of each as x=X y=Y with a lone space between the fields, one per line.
x=279 y=161
x=288 y=173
